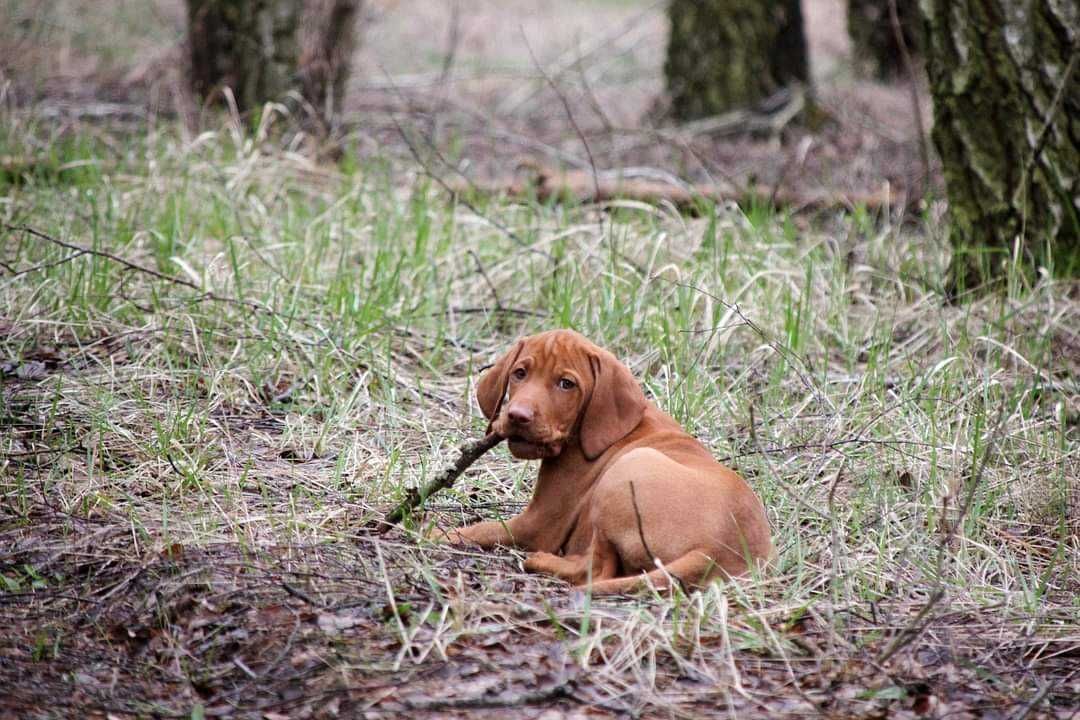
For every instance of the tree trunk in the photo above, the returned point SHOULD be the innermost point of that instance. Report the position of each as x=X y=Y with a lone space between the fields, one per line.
x=877 y=52
x=249 y=46
x=326 y=61
x=1003 y=74
x=729 y=54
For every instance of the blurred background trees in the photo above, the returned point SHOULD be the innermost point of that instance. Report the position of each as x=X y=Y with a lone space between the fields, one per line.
x=881 y=32
x=262 y=49
x=730 y=54
x=326 y=49
x=249 y=46
x=1001 y=73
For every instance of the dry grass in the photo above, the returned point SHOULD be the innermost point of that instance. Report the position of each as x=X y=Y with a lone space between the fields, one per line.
x=186 y=474
x=189 y=452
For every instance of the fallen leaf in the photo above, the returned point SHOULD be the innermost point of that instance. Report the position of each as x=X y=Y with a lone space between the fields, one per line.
x=332 y=624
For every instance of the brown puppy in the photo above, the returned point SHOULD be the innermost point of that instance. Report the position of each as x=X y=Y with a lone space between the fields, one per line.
x=610 y=457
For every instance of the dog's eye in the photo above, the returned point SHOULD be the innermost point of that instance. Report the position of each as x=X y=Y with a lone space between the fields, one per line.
x=518 y=374
x=567 y=384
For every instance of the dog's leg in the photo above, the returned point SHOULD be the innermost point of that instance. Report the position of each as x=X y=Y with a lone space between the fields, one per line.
x=693 y=568
x=576 y=569
x=486 y=534
x=571 y=568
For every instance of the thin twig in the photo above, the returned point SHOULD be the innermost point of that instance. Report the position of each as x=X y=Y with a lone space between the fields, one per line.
x=797 y=362
x=483 y=274
x=657 y=563
x=452 y=42
x=916 y=104
x=1031 y=704
x=47 y=265
x=569 y=112
x=597 y=107
x=791 y=492
x=298 y=593
x=921 y=621
x=173 y=279
x=511 y=104
x=455 y=193
x=830 y=445
x=520 y=312
x=1044 y=133
x=415 y=497
x=80 y=250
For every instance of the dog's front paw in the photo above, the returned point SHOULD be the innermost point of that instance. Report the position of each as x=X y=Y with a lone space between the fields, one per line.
x=448 y=537
x=541 y=562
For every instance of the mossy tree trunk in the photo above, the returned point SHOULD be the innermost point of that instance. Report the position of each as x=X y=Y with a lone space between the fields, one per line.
x=1003 y=74
x=875 y=46
x=250 y=46
x=729 y=54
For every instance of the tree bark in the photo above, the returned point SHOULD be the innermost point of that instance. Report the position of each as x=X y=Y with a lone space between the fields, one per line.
x=249 y=46
x=875 y=46
x=729 y=54
x=325 y=65
x=1003 y=74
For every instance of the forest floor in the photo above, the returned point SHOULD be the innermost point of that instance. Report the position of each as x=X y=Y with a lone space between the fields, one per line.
x=223 y=354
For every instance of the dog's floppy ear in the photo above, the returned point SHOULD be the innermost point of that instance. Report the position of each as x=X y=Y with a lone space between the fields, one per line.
x=615 y=407
x=492 y=386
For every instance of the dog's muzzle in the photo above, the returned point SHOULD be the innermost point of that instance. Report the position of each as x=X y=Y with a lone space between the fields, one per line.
x=527 y=449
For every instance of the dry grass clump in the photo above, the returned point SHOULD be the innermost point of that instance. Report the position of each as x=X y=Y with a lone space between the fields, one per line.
x=194 y=432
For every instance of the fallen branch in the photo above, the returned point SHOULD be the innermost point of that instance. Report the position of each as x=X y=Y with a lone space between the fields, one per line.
x=468 y=454
x=80 y=250
x=580 y=186
x=770 y=117
x=207 y=295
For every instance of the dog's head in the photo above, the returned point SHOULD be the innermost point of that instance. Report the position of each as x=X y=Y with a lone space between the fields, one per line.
x=558 y=388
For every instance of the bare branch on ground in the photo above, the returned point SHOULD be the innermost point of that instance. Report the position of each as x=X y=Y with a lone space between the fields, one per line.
x=547 y=184
x=468 y=454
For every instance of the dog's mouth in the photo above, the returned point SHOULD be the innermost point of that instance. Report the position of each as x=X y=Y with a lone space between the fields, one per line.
x=528 y=449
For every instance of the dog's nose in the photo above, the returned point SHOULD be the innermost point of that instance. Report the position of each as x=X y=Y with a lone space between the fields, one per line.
x=520 y=414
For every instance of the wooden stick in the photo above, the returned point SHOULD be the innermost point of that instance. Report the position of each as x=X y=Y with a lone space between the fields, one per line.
x=468 y=454
x=579 y=185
